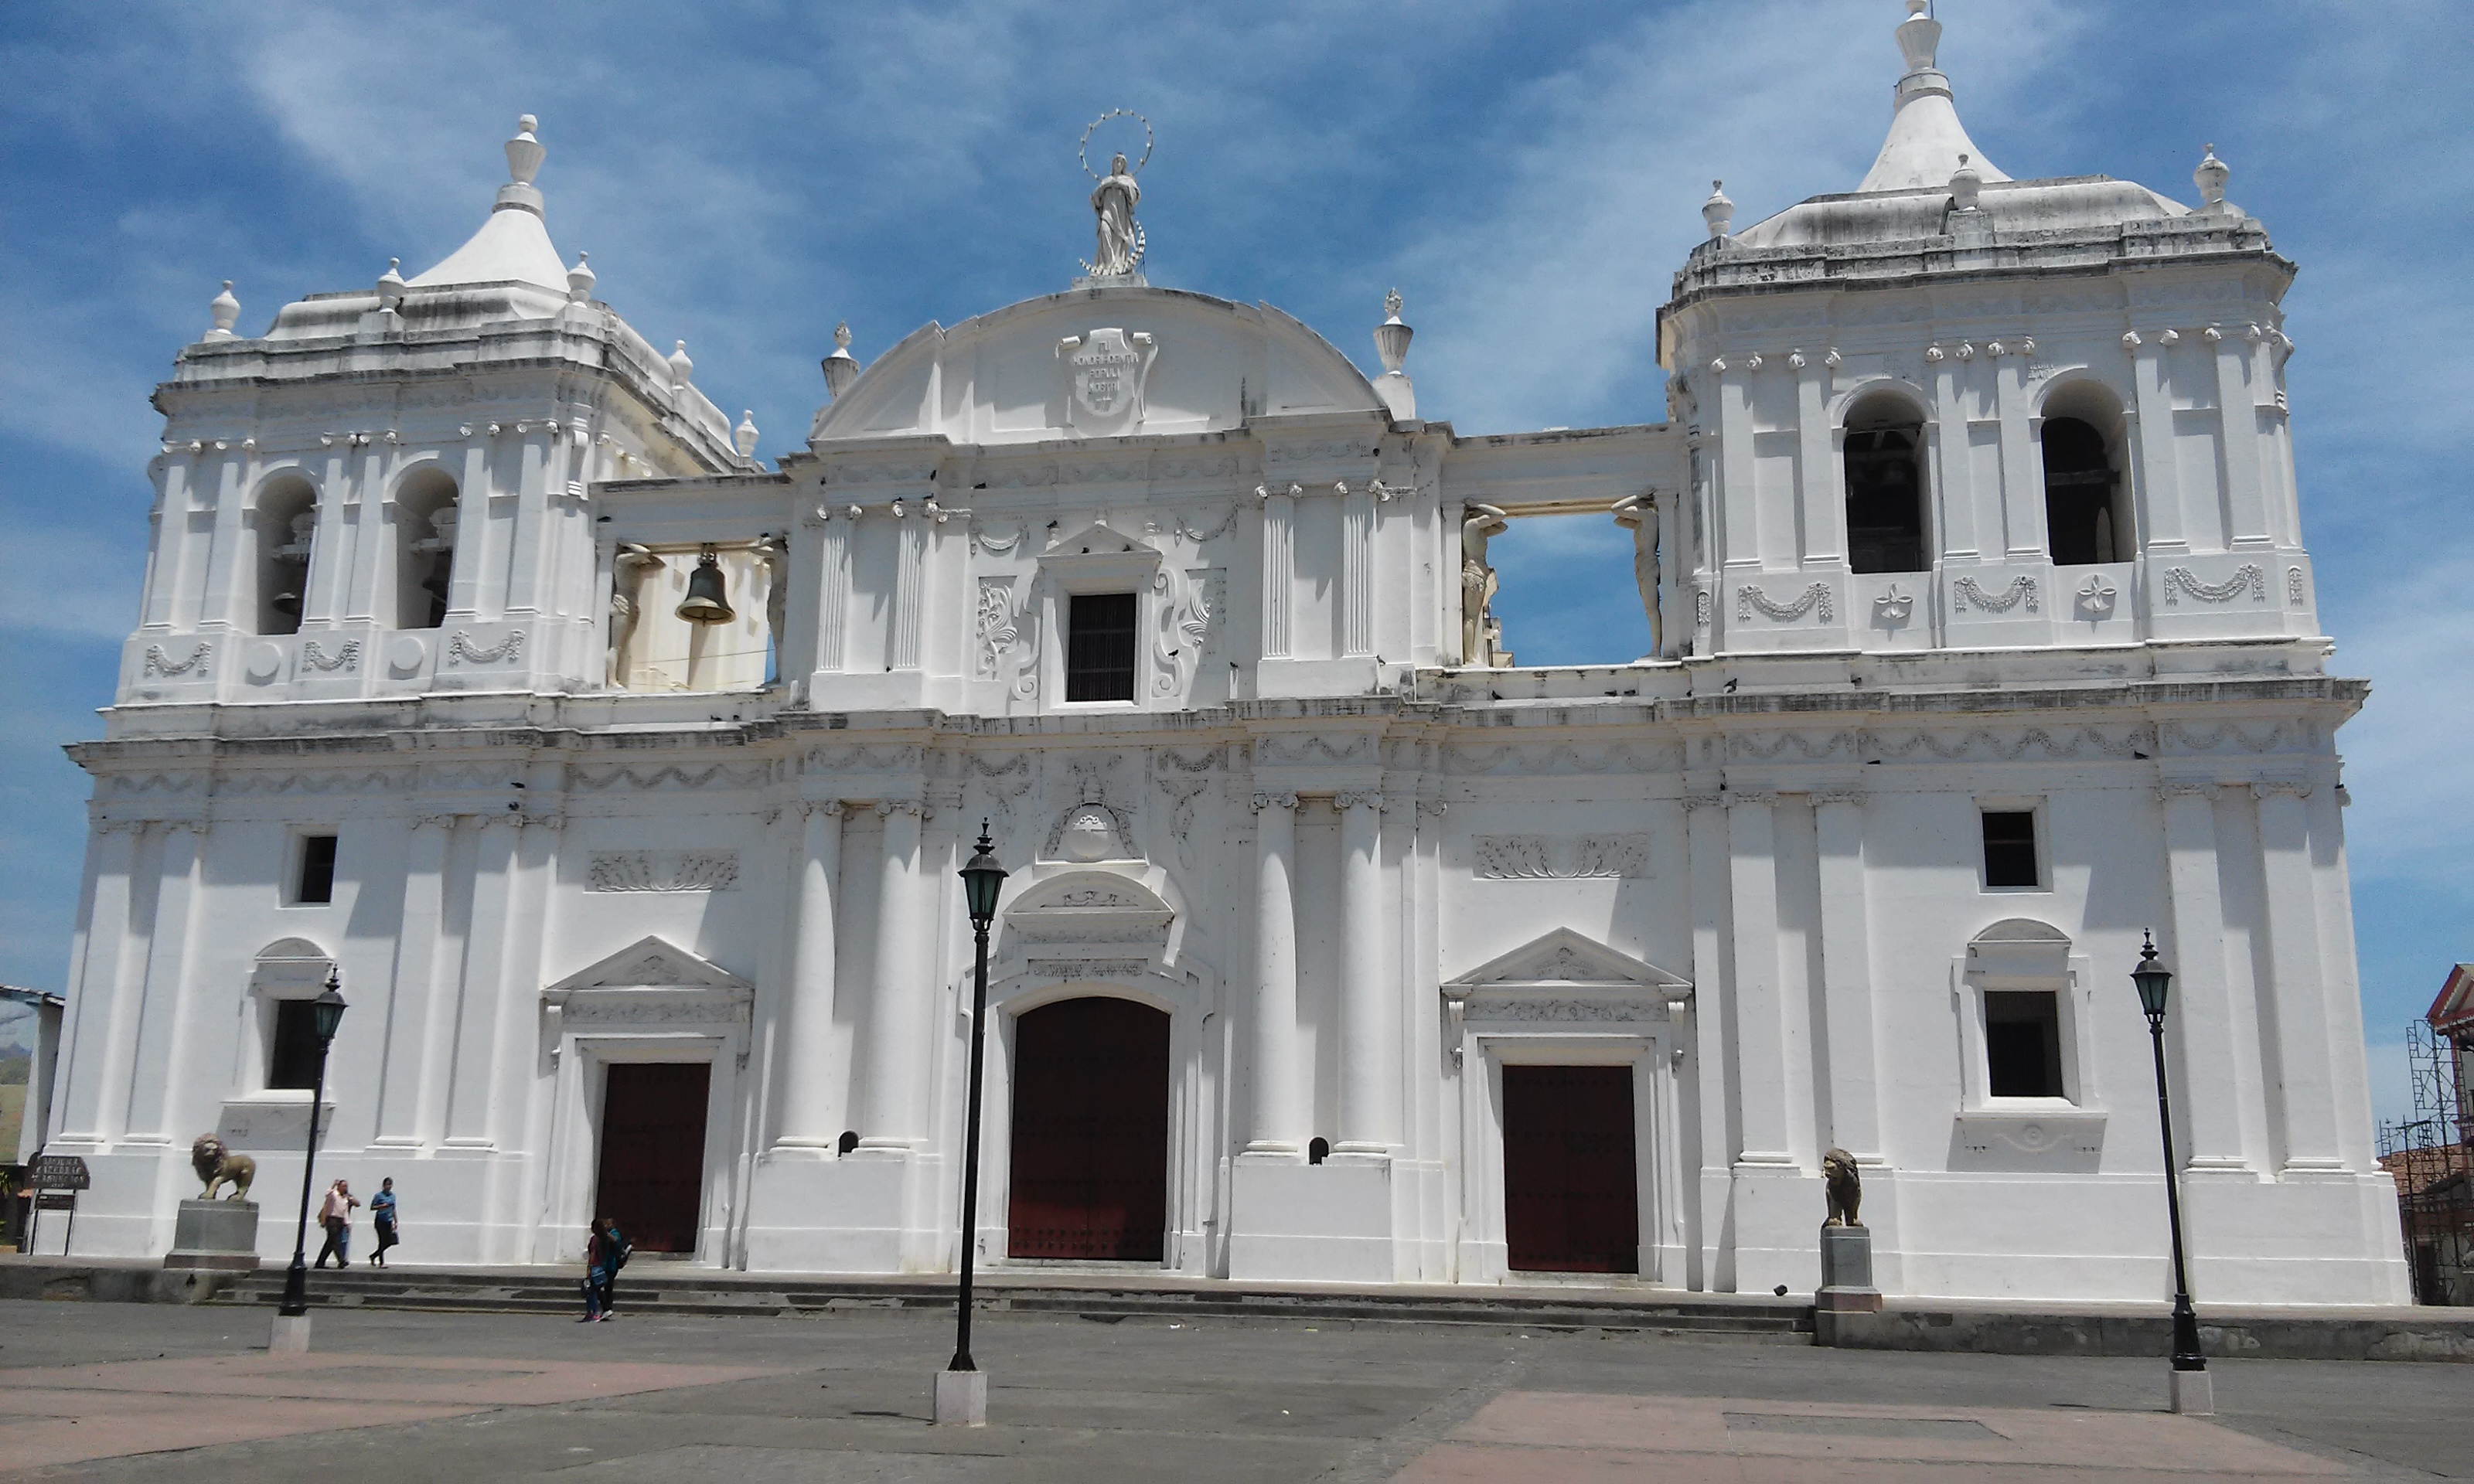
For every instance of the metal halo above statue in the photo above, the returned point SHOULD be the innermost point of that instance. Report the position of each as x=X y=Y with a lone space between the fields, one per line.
x=1082 y=148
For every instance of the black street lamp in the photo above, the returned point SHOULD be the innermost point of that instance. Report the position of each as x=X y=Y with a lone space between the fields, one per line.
x=2156 y=983
x=982 y=879
x=328 y=1010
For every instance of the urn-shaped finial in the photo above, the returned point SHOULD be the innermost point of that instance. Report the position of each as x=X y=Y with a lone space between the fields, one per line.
x=1919 y=38
x=744 y=435
x=2211 y=177
x=391 y=284
x=225 y=310
x=1964 y=185
x=524 y=152
x=682 y=369
x=580 y=279
x=1718 y=212
x=1391 y=337
x=841 y=367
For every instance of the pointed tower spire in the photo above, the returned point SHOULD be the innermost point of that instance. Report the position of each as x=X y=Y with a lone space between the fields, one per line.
x=513 y=246
x=1926 y=137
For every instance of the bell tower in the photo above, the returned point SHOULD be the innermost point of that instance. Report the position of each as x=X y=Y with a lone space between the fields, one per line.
x=389 y=492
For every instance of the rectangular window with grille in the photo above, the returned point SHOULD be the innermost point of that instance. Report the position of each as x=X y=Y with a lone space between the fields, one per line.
x=292 y=1062
x=2011 y=848
x=1100 y=647
x=2023 y=1043
x=317 y=880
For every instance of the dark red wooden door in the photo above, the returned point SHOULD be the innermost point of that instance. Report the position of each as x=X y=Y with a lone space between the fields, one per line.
x=1572 y=1199
x=1090 y=1132
x=652 y=1151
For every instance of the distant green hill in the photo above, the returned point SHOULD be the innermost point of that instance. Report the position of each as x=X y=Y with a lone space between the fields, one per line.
x=16 y=1065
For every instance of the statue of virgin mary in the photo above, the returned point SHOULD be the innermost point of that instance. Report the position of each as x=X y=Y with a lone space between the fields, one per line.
x=1121 y=241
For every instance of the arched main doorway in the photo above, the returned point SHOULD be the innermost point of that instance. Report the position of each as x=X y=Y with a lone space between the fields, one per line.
x=1090 y=1172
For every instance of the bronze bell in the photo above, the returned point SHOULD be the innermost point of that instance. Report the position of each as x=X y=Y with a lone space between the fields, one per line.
x=707 y=602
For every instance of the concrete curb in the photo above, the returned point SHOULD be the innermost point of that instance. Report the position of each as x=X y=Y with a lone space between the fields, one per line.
x=2443 y=1334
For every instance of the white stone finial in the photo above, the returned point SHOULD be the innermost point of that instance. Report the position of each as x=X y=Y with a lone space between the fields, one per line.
x=524 y=152
x=1965 y=185
x=841 y=367
x=1919 y=38
x=225 y=310
x=391 y=284
x=580 y=280
x=744 y=435
x=2211 y=177
x=1391 y=337
x=1718 y=212
x=682 y=369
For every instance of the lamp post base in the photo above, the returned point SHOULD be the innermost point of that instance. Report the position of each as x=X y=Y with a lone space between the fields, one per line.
x=2194 y=1394
x=290 y=1335
x=962 y=1399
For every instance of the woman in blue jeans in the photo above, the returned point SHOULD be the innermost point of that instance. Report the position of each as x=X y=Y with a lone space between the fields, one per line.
x=604 y=1252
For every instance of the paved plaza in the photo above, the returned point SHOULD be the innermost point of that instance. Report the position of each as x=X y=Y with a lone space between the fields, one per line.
x=161 y=1392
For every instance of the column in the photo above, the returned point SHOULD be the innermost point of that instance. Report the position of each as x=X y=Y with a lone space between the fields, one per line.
x=93 y=999
x=1954 y=493
x=1357 y=570
x=168 y=560
x=833 y=587
x=2159 y=476
x=2292 y=907
x=1854 y=1097
x=910 y=590
x=1752 y=882
x=474 y=1037
x=2023 y=479
x=465 y=590
x=1706 y=828
x=895 y=1115
x=457 y=893
x=229 y=555
x=1281 y=1112
x=1279 y=516
x=808 y=1009
x=1817 y=460
x=1369 y=1036
x=524 y=598
x=2214 y=1098
x=414 y=982
x=2237 y=424
x=161 y=1006
x=1739 y=536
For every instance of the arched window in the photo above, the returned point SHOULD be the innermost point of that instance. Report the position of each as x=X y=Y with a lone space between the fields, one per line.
x=2081 y=525
x=424 y=547
x=282 y=525
x=1886 y=487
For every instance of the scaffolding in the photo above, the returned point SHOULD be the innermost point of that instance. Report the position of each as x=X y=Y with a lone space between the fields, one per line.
x=2432 y=1157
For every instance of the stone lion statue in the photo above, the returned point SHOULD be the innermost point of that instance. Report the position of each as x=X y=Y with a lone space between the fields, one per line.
x=1846 y=1191
x=218 y=1165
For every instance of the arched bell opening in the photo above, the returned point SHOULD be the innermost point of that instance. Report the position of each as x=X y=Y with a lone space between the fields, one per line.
x=424 y=547
x=1088 y=1175
x=282 y=525
x=1886 y=485
x=2087 y=521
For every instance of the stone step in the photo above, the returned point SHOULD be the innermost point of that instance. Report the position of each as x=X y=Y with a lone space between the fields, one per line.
x=718 y=1294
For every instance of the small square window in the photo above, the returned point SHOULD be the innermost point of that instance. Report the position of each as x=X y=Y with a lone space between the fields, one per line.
x=293 y=1060
x=2023 y=1043
x=316 y=882
x=1100 y=647
x=2011 y=848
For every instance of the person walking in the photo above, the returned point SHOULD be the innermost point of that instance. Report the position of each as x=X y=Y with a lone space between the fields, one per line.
x=335 y=1214
x=604 y=1250
x=383 y=1216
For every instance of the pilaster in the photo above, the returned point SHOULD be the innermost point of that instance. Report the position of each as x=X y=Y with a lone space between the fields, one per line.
x=2221 y=1102
x=1281 y=1116
x=2302 y=1053
x=807 y=1116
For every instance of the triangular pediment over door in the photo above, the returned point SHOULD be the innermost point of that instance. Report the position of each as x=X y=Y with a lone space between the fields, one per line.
x=651 y=981
x=1566 y=967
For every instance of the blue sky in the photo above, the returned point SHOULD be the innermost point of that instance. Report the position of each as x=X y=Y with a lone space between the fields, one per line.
x=1528 y=175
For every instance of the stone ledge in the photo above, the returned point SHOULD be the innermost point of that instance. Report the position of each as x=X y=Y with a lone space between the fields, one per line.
x=2404 y=1333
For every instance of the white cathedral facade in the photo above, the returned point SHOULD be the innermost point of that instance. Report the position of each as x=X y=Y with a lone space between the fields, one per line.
x=622 y=780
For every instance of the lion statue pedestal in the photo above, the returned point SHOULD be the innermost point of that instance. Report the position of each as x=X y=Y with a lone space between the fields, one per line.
x=217 y=1235
x=1846 y=1246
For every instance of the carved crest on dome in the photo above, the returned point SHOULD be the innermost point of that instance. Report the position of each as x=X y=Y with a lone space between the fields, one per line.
x=1104 y=373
